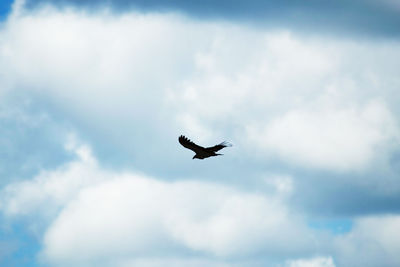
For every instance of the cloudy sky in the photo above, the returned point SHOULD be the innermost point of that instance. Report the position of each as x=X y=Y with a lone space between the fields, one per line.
x=94 y=94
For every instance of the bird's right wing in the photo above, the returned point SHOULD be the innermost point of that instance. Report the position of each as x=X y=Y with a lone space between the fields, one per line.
x=189 y=144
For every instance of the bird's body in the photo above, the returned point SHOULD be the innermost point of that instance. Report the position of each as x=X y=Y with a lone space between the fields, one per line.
x=202 y=152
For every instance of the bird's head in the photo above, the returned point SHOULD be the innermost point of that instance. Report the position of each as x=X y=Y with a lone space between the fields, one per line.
x=195 y=157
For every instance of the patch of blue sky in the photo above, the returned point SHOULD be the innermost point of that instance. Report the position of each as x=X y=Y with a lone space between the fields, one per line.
x=334 y=225
x=18 y=246
x=5 y=8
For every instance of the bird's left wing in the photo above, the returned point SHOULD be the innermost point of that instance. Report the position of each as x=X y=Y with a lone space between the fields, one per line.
x=218 y=147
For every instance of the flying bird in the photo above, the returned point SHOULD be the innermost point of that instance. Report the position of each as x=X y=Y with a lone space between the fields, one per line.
x=202 y=152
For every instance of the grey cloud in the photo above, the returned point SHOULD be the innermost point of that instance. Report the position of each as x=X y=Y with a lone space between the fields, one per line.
x=334 y=197
x=327 y=17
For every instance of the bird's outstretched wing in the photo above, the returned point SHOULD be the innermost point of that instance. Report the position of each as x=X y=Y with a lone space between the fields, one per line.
x=189 y=144
x=218 y=147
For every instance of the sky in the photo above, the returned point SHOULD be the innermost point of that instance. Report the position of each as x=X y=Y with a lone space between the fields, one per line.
x=93 y=98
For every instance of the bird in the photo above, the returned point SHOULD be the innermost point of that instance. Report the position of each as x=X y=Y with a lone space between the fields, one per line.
x=202 y=152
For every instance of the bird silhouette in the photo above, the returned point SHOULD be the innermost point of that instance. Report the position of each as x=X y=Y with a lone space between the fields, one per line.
x=202 y=152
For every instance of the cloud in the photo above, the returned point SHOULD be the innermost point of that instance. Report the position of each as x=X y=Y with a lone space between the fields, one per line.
x=168 y=262
x=93 y=214
x=314 y=262
x=374 y=237
x=335 y=139
x=51 y=190
x=119 y=62
x=23 y=121
x=139 y=216
x=108 y=78
x=362 y=17
x=129 y=84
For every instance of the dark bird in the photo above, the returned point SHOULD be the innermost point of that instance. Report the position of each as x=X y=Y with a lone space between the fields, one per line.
x=202 y=152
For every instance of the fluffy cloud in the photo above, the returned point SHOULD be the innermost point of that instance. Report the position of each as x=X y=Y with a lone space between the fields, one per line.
x=136 y=216
x=98 y=217
x=375 y=237
x=102 y=215
x=50 y=190
x=314 y=262
x=331 y=138
x=297 y=98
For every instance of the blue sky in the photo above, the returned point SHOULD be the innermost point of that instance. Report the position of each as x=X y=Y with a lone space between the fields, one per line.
x=5 y=8
x=94 y=94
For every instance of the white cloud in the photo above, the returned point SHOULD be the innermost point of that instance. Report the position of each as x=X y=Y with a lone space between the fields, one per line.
x=173 y=262
x=374 y=241
x=71 y=58
x=331 y=138
x=106 y=218
x=92 y=214
x=51 y=190
x=298 y=99
x=136 y=216
x=302 y=98
x=313 y=262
